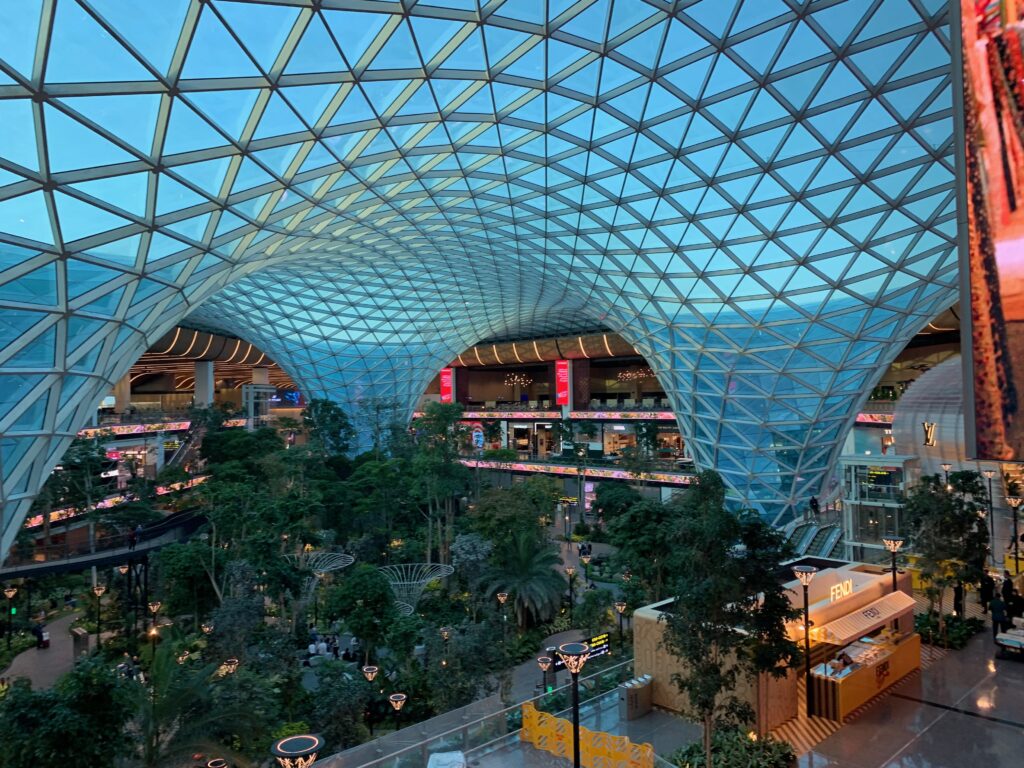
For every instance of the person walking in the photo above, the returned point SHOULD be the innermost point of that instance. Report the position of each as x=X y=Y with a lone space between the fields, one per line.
x=138 y=533
x=999 y=621
x=958 y=599
x=985 y=591
x=132 y=540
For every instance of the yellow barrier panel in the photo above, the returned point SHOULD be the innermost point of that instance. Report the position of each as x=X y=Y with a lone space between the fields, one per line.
x=597 y=748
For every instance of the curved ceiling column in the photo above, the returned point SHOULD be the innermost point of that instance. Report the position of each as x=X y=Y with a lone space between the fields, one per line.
x=755 y=192
x=382 y=328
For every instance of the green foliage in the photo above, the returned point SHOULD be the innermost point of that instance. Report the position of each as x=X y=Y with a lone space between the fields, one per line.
x=338 y=706
x=502 y=513
x=183 y=582
x=364 y=601
x=954 y=633
x=644 y=534
x=949 y=532
x=728 y=618
x=237 y=453
x=594 y=613
x=82 y=720
x=525 y=567
x=733 y=749
x=614 y=498
x=328 y=426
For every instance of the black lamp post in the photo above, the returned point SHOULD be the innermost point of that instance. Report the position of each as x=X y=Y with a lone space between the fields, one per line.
x=446 y=633
x=544 y=662
x=153 y=634
x=297 y=751
x=397 y=701
x=502 y=599
x=893 y=544
x=1014 y=502
x=627 y=575
x=570 y=571
x=805 y=573
x=988 y=475
x=370 y=672
x=945 y=469
x=585 y=559
x=565 y=527
x=98 y=590
x=9 y=593
x=620 y=608
x=574 y=656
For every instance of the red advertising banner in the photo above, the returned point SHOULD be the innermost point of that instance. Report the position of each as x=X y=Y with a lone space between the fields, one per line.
x=561 y=382
x=446 y=385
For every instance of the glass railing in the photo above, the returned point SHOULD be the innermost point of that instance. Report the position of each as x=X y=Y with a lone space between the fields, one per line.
x=487 y=734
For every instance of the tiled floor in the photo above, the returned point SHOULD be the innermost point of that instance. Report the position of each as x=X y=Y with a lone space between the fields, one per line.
x=965 y=710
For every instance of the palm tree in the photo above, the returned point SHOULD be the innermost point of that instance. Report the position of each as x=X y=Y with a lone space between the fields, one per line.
x=526 y=569
x=176 y=713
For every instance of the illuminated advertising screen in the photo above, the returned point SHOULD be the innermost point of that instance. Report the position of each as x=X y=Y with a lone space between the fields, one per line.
x=561 y=382
x=992 y=255
x=446 y=385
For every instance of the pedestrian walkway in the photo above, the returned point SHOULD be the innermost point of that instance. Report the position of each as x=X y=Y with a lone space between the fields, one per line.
x=42 y=666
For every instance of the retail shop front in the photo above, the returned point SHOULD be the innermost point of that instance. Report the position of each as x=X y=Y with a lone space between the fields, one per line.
x=861 y=634
x=862 y=643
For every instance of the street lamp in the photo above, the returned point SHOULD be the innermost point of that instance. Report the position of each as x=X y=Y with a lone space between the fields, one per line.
x=574 y=656
x=620 y=608
x=946 y=468
x=98 y=590
x=206 y=627
x=585 y=559
x=9 y=593
x=570 y=570
x=988 y=474
x=805 y=573
x=370 y=672
x=544 y=662
x=627 y=575
x=230 y=666
x=893 y=544
x=153 y=635
x=565 y=527
x=446 y=633
x=122 y=569
x=397 y=701
x=297 y=751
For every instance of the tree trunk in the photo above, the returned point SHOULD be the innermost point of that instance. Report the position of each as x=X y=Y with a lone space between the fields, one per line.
x=709 y=726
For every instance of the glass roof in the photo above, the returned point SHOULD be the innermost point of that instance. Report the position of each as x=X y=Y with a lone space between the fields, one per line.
x=757 y=194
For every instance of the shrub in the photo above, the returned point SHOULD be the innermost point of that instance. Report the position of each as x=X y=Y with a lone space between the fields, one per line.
x=581 y=529
x=958 y=630
x=734 y=749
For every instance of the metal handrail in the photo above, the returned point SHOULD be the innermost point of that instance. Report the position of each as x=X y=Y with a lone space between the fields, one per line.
x=336 y=760
x=64 y=551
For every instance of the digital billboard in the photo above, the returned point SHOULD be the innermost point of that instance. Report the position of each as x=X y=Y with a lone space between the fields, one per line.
x=992 y=224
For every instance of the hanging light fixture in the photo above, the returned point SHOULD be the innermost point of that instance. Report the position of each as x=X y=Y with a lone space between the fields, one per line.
x=517 y=380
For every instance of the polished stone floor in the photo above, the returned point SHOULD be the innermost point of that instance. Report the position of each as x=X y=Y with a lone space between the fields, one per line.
x=966 y=710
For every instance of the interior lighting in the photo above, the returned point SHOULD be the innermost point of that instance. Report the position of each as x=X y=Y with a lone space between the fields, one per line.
x=518 y=380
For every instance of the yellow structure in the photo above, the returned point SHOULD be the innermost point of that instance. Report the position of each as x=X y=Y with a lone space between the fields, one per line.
x=597 y=748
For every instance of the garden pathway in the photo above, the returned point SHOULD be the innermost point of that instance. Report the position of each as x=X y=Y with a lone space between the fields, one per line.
x=42 y=666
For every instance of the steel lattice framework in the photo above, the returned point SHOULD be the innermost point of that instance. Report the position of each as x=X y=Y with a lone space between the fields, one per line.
x=758 y=194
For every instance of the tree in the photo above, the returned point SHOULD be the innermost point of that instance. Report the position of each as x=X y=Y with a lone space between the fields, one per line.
x=365 y=602
x=594 y=612
x=948 y=532
x=503 y=512
x=614 y=498
x=328 y=426
x=437 y=474
x=82 y=720
x=728 y=617
x=178 y=714
x=339 y=704
x=525 y=567
x=644 y=535
x=382 y=419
